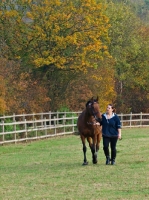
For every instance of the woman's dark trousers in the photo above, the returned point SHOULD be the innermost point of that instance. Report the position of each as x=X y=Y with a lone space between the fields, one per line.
x=112 y=142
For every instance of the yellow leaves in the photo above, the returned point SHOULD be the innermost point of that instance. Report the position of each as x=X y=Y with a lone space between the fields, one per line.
x=52 y=3
x=102 y=82
x=45 y=54
x=55 y=29
x=56 y=2
x=11 y=13
x=27 y=1
x=17 y=57
x=24 y=75
x=106 y=53
x=41 y=61
x=104 y=47
x=58 y=61
x=71 y=39
x=2 y=86
x=97 y=78
x=1 y=13
x=62 y=32
x=2 y=106
x=29 y=15
x=88 y=20
x=2 y=94
x=147 y=96
x=38 y=29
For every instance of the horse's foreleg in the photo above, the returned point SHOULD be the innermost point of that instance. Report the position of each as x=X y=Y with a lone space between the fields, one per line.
x=84 y=150
x=99 y=136
x=94 y=150
x=89 y=139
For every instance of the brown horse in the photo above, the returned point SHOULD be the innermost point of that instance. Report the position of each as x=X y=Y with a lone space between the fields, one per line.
x=89 y=128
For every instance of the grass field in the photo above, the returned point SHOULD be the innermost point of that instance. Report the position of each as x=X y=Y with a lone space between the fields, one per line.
x=52 y=170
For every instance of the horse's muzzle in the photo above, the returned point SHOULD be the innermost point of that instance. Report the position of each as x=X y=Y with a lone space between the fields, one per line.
x=99 y=120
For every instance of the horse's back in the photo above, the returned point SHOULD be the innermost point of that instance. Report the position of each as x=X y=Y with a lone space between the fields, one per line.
x=81 y=121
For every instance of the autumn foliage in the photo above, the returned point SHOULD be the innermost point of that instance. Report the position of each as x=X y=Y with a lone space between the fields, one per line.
x=20 y=92
x=68 y=35
x=57 y=54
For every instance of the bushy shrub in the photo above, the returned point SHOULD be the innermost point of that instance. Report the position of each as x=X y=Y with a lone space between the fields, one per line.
x=67 y=114
x=9 y=128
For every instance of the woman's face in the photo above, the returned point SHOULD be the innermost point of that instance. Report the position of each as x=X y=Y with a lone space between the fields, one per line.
x=109 y=109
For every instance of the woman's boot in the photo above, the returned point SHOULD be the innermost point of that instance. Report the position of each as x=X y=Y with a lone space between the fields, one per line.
x=107 y=160
x=113 y=156
x=106 y=151
x=113 y=162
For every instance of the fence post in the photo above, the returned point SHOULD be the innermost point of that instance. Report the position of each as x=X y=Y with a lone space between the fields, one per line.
x=54 y=125
x=25 y=129
x=73 y=125
x=14 y=119
x=42 y=120
x=57 y=118
x=49 y=118
x=140 y=119
x=64 y=122
x=24 y=134
x=4 y=117
x=14 y=128
x=122 y=119
x=3 y=130
x=23 y=115
x=35 y=126
x=33 y=116
x=130 y=119
x=45 y=126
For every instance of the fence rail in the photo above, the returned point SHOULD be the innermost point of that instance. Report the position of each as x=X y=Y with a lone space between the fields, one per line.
x=25 y=127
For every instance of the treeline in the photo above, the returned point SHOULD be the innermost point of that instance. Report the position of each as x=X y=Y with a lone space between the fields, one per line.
x=55 y=55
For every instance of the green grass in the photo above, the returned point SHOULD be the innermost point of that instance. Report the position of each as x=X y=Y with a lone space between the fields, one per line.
x=52 y=170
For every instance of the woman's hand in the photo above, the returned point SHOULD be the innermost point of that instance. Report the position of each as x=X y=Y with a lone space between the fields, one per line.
x=119 y=134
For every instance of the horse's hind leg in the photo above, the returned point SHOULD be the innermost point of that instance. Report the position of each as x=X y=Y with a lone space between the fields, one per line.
x=84 y=150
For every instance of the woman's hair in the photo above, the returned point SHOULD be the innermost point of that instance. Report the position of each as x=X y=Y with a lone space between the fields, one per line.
x=113 y=107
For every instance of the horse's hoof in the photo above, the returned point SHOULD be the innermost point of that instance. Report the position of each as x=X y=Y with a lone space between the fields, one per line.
x=95 y=162
x=85 y=163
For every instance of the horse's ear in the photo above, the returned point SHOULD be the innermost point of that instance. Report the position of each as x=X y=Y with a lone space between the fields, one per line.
x=92 y=99
x=97 y=99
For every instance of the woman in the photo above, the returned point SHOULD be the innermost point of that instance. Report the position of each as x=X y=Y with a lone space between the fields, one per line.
x=111 y=132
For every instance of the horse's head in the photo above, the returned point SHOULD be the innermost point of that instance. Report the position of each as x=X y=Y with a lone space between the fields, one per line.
x=92 y=108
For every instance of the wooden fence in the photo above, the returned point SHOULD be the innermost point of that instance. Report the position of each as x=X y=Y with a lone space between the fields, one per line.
x=24 y=127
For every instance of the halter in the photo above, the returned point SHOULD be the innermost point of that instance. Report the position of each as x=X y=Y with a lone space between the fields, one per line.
x=92 y=123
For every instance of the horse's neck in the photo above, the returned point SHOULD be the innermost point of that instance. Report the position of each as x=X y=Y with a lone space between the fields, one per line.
x=88 y=117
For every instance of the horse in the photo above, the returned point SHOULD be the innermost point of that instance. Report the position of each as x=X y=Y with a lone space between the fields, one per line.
x=89 y=128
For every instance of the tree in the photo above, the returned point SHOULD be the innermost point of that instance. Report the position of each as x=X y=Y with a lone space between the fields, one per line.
x=69 y=35
x=98 y=81
x=130 y=51
x=2 y=95
x=20 y=92
x=62 y=38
